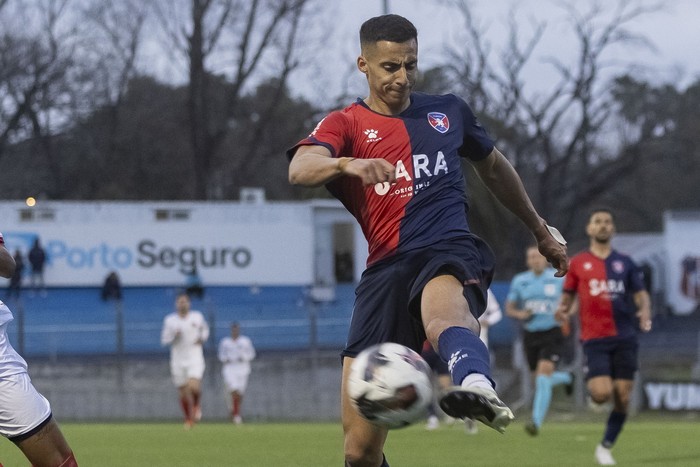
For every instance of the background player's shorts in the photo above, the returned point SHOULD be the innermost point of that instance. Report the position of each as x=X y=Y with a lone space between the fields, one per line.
x=612 y=357
x=387 y=299
x=22 y=408
x=183 y=371
x=543 y=345
x=235 y=379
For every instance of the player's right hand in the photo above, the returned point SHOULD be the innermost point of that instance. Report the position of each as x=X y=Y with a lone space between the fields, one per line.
x=371 y=171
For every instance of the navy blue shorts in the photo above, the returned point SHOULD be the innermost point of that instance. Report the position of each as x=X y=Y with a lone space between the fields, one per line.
x=612 y=357
x=387 y=299
x=543 y=345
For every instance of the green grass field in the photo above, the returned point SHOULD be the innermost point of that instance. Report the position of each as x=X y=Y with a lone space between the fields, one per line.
x=644 y=442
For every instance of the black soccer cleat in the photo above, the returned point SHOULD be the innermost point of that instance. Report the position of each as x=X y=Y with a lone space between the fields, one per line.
x=569 y=388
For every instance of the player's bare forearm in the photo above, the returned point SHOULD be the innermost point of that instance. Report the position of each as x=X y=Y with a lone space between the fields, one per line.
x=643 y=302
x=7 y=263
x=565 y=309
x=313 y=166
x=517 y=313
x=504 y=182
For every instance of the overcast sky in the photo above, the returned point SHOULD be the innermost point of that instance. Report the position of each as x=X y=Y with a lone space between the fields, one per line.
x=674 y=31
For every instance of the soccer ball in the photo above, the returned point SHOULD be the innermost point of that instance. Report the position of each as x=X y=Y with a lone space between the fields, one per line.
x=390 y=385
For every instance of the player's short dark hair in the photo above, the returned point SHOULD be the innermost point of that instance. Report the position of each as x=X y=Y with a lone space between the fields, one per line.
x=392 y=28
x=598 y=209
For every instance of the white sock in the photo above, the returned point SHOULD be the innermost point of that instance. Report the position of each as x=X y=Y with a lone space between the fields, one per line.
x=476 y=380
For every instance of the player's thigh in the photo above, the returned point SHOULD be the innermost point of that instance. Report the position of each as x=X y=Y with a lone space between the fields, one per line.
x=362 y=438
x=443 y=305
x=46 y=447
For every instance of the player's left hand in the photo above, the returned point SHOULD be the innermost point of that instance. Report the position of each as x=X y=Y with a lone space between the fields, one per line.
x=644 y=321
x=553 y=247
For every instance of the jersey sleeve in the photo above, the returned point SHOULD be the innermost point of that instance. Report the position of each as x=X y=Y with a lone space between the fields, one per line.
x=167 y=335
x=477 y=143
x=636 y=277
x=250 y=350
x=204 y=334
x=331 y=133
x=221 y=351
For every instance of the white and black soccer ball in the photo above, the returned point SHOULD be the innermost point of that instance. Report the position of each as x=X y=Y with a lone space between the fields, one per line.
x=390 y=385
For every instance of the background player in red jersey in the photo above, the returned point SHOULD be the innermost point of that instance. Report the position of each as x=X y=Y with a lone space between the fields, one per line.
x=394 y=160
x=25 y=415
x=613 y=307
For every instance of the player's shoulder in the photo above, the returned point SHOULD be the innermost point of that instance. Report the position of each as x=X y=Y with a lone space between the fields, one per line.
x=580 y=257
x=618 y=255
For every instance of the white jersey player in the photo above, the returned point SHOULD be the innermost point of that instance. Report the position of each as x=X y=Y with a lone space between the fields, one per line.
x=185 y=331
x=491 y=316
x=235 y=353
x=25 y=415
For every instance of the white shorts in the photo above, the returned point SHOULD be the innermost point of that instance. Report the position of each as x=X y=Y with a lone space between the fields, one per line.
x=235 y=379
x=22 y=408
x=182 y=372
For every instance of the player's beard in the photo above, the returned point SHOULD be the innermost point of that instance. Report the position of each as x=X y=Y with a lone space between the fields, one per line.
x=603 y=239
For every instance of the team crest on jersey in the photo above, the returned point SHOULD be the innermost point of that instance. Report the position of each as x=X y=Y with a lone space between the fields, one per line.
x=618 y=267
x=439 y=121
x=587 y=266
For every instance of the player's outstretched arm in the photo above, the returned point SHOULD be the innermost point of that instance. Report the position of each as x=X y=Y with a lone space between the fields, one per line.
x=504 y=182
x=313 y=166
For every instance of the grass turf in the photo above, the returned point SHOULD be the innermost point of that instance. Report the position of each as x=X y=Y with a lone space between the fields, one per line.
x=645 y=442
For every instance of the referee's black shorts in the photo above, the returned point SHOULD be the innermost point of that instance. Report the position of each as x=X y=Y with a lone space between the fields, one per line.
x=543 y=345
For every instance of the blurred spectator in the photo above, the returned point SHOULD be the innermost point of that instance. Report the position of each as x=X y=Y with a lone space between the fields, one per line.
x=112 y=287
x=193 y=284
x=343 y=267
x=37 y=260
x=15 y=287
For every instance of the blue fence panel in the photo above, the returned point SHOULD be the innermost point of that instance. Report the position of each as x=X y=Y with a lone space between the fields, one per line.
x=77 y=321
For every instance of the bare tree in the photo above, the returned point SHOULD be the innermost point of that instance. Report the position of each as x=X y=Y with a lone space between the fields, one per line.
x=111 y=38
x=553 y=137
x=35 y=64
x=240 y=36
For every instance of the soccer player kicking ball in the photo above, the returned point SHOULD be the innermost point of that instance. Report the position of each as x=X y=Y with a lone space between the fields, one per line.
x=613 y=307
x=25 y=415
x=394 y=160
x=185 y=331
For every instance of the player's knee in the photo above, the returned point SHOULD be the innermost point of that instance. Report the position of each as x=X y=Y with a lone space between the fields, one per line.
x=601 y=397
x=362 y=457
x=360 y=453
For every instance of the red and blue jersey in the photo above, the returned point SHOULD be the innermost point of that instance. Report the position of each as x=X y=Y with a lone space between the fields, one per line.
x=428 y=203
x=605 y=289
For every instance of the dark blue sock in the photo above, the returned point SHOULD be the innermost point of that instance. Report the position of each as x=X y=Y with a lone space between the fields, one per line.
x=464 y=353
x=614 y=427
